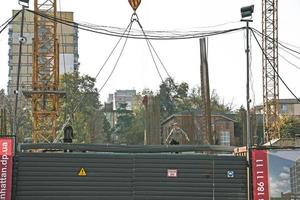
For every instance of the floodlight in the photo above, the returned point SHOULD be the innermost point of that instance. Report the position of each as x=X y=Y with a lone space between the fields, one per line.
x=24 y=3
x=247 y=11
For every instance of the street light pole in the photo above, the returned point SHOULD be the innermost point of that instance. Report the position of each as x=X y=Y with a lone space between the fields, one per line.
x=22 y=40
x=246 y=12
x=249 y=135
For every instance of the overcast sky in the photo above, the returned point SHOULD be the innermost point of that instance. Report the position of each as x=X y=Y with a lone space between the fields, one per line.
x=227 y=60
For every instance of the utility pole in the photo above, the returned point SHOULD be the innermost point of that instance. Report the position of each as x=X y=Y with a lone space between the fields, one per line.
x=205 y=93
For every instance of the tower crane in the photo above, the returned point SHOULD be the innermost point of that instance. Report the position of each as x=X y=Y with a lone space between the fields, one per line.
x=45 y=73
x=270 y=69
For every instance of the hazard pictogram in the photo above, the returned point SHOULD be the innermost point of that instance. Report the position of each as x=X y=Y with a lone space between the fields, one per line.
x=82 y=172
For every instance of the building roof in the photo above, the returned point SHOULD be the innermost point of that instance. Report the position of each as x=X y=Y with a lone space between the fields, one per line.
x=288 y=101
x=281 y=101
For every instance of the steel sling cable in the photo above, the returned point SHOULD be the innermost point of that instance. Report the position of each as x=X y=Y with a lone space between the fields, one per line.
x=283 y=82
x=158 y=57
x=149 y=47
x=126 y=32
x=117 y=61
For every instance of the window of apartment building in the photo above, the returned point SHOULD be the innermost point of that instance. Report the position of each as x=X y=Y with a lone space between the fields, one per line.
x=284 y=108
x=224 y=138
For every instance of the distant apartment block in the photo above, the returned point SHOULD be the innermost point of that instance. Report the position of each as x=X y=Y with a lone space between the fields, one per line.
x=122 y=97
x=114 y=102
x=289 y=107
x=68 y=51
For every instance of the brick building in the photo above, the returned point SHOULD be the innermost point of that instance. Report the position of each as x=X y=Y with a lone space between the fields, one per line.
x=191 y=122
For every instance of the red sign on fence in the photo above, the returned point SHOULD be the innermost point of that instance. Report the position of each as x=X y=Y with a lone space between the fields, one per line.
x=260 y=175
x=6 y=163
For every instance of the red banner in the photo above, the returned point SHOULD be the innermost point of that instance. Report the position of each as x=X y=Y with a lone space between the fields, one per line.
x=6 y=167
x=260 y=175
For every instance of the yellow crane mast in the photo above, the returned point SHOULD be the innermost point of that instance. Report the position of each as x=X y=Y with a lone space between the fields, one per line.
x=45 y=73
x=270 y=69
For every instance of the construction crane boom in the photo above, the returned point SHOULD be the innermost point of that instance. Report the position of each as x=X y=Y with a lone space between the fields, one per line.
x=270 y=69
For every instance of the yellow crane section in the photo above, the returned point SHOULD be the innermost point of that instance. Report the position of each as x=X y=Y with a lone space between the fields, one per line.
x=270 y=69
x=45 y=73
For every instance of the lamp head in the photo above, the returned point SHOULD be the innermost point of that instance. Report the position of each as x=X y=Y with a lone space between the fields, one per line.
x=24 y=3
x=247 y=11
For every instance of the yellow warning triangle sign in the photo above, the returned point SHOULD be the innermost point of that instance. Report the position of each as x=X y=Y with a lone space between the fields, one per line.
x=82 y=172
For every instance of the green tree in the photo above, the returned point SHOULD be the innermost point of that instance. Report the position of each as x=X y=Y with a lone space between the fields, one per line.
x=289 y=126
x=176 y=97
x=84 y=108
x=130 y=124
x=167 y=92
x=24 y=116
x=125 y=120
x=218 y=105
x=107 y=131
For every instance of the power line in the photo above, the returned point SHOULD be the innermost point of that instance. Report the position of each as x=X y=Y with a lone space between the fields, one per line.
x=154 y=35
x=280 y=42
x=296 y=66
x=274 y=67
x=9 y=21
x=285 y=50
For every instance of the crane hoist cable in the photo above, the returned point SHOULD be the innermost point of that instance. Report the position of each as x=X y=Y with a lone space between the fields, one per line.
x=125 y=33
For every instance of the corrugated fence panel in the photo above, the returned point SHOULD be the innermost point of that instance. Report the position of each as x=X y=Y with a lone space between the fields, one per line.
x=55 y=176
x=198 y=177
x=47 y=176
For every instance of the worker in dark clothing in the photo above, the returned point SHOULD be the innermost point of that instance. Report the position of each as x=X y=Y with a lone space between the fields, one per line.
x=68 y=134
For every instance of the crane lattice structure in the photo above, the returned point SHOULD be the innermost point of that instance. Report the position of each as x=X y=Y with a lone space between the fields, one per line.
x=45 y=74
x=270 y=69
